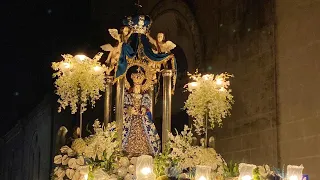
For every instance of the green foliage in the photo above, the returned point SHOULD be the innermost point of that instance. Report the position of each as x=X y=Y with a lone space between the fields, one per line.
x=231 y=169
x=256 y=174
x=161 y=162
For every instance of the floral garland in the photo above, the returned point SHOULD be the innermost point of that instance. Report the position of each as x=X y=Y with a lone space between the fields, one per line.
x=209 y=95
x=79 y=81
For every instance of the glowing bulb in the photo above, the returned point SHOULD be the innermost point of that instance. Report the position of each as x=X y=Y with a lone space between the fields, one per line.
x=293 y=177
x=202 y=178
x=145 y=170
x=193 y=84
x=219 y=81
x=206 y=77
x=96 y=68
x=246 y=177
x=67 y=65
x=81 y=57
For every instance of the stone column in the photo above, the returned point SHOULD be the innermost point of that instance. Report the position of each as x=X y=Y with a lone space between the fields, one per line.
x=119 y=107
x=152 y=97
x=166 y=106
x=108 y=101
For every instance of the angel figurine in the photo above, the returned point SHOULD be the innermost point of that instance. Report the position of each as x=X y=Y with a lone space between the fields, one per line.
x=161 y=45
x=115 y=52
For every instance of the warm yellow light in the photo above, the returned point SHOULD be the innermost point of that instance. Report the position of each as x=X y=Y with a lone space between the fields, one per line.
x=96 y=68
x=202 y=178
x=219 y=81
x=206 y=77
x=222 y=89
x=86 y=177
x=246 y=177
x=193 y=84
x=146 y=170
x=67 y=65
x=293 y=177
x=81 y=57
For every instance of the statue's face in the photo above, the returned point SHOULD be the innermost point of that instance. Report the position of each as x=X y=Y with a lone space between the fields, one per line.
x=137 y=78
x=160 y=37
x=126 y=31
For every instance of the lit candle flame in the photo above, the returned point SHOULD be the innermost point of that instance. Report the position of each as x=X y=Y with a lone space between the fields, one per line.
x=246 y=177
x=202 y=178
x=145 y=170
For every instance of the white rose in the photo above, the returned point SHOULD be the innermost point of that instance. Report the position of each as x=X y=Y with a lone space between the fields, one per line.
x=60 y=173
x=64 y=149
x=71 y=152
x=124 y=162
x=73 y=164
x=57 y=159
x=65 y=160
x=70 y=173
x=80 y=161
x=76 y=176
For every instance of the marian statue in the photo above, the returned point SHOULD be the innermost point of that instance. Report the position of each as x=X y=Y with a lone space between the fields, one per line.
x=140 y=136
x=136 y=48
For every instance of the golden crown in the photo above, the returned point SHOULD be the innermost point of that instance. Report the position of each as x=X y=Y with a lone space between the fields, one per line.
x=138 y=77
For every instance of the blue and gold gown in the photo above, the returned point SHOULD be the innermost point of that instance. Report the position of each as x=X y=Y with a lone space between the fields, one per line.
x=139 y=135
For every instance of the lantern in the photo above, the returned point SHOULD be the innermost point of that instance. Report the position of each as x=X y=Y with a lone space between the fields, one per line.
x=246 y=171
x=203 y=173
x=144 y=168
x=294 y=172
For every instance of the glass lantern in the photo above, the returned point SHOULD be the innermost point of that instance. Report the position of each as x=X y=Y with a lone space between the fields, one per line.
x=294 y=172
x=203 y=173
x=246 y=171
x=144 y=168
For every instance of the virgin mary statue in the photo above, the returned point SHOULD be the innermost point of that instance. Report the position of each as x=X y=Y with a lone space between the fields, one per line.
x=140 y=136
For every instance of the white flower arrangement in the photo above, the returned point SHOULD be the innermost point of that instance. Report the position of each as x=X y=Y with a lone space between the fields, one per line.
x=79 y=81
x=69 y=165
x=98 y=155
x=209 y=95
x=102 y=145
x=188 y=156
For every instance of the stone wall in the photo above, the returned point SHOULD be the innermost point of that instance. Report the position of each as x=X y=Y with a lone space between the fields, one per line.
x=26 y=149
x=237 y=37
x=298 y=45
x=242 y=43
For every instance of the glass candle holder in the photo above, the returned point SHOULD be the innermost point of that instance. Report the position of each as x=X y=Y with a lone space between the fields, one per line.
x=144 y=168
x=294 y=172
x=245 y=171
x=203 y=173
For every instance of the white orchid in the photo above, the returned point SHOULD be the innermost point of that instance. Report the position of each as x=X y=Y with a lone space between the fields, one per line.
x=209 y=94
x=189 y=156
x=103 y=143
x=79 y=81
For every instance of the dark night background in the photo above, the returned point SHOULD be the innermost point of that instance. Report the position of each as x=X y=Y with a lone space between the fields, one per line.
x=34 y=34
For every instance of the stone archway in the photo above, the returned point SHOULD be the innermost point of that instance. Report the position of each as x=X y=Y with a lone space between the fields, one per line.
x=177 y=22
x=173 y=15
